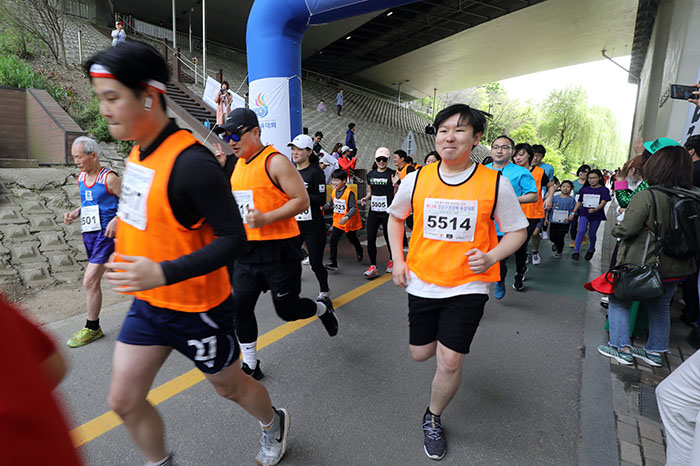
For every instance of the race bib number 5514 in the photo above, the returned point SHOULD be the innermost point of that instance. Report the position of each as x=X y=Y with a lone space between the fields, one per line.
x=449 y=219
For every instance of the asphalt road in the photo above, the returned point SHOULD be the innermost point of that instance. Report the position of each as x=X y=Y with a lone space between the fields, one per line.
x=358 y=398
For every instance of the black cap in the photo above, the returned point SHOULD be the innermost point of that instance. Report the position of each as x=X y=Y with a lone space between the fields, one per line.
x=240 y=118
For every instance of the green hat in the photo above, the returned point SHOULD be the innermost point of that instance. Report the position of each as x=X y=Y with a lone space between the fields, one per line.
x=653 y=146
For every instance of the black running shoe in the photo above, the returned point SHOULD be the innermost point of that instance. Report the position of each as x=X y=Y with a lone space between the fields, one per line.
x=254 y=373
x=589 y=255
x=360 y=256
x=433 y=436
x=328 y=318
x=575 y=256
x=518 y=283
x=331 y=266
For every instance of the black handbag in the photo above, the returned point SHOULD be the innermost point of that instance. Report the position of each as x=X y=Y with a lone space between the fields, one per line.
x=640 y=282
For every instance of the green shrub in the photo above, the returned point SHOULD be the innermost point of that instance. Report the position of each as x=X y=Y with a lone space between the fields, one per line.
x=16 y=73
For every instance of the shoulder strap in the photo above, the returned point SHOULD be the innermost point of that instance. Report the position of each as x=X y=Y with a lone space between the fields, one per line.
x=656 y=228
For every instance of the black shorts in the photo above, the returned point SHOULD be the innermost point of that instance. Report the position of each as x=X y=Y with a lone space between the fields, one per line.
x=279 y=277
x=451 y=321
x=207 y=338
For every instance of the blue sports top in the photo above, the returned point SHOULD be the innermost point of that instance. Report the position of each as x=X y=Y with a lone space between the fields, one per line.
x=520 y=178
x=98 y=194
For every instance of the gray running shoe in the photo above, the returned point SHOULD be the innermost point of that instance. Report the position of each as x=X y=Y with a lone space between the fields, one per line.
x=273 y=443
x=433 y=436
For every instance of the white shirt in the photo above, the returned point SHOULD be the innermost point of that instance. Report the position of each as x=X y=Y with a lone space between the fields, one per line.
x=508 y=214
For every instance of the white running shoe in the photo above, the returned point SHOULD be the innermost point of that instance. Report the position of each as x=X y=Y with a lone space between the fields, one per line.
x=536 y=260
x=274 y=440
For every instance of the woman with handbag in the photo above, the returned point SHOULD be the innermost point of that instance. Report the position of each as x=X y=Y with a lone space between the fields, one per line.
x=643 y=271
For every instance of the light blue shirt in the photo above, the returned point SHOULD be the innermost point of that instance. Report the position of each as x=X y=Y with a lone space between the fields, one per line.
x=339 y=99
x=548 y=170
x=520 y=178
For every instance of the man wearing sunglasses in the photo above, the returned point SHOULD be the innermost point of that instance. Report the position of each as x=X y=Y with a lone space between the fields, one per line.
x=523 y=184
x=269 y=192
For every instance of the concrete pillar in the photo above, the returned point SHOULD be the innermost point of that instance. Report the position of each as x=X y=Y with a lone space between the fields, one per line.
x=673 y=57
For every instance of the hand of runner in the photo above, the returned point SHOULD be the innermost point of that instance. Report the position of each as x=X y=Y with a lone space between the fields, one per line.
x=479 y=261
x=343 y=220
x=68 y=217
x=255 y=218
x=696 y=100
x=219 y=154
x=111 y=228
x=548 y=204
x=401 y=274
x=136 y=273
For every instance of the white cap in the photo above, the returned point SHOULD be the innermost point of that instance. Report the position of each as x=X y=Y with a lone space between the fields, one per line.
x=382 y=152
x=344 y=149
x=303 y=141
x=328 y=160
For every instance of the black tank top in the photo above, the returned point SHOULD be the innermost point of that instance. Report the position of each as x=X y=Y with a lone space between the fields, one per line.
x=382 y=187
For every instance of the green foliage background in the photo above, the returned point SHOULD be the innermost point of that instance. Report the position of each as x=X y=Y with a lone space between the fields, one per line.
x=572 y=130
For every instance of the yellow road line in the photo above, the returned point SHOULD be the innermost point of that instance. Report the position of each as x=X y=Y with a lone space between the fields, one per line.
x=109 y=420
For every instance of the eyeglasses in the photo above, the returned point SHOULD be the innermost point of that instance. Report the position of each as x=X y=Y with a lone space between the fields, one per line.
x=497 y=148
x=235 y=137
x=382 y=159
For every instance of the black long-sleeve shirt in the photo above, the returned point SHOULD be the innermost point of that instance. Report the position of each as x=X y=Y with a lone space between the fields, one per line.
x=199 y=189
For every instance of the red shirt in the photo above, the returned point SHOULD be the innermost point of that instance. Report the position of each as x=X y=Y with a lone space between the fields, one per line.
x=347 y=164
x=33 y=430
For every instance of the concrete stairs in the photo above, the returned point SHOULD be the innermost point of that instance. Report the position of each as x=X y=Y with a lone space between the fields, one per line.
x=184 y=98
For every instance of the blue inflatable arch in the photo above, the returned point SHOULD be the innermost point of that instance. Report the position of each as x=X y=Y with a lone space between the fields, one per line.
x=273 y=37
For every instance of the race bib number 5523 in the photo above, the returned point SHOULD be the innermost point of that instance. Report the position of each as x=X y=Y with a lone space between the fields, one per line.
x=449 y=219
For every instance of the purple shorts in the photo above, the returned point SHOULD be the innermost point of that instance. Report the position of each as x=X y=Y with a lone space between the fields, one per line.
x=98 y=246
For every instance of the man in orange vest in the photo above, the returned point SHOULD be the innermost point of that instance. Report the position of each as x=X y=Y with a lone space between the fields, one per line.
x=454 y=203
x=269 y=192
x=178 y=227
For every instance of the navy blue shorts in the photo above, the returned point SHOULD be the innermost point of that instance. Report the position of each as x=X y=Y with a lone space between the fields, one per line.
x=207 y=338
x=98 y=247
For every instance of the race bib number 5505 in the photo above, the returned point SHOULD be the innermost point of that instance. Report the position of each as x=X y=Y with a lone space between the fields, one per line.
x=449 y=219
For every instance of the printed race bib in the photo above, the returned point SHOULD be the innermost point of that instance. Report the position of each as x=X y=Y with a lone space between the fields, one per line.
x=339 y=206
x=378 y=204
x=591 y=201
x=559 y=216
x=90 y=219
x=449 y=219
x=304 y=216
x=244 y=199
x=133 y=202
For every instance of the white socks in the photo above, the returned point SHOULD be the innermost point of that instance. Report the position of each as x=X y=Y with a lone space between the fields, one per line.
x=250 y=354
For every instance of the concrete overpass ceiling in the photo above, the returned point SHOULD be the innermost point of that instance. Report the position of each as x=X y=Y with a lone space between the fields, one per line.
x=547 y=35
x=400 y=30
x=227 y=21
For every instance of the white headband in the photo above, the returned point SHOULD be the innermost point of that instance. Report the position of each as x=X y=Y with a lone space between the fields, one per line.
x=100 y=71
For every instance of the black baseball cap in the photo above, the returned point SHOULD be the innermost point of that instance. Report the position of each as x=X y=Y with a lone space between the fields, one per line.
x=240 y=118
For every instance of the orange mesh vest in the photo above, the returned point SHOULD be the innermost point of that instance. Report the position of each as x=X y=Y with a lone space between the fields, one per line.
x=402 y=172
x=253 y=188
x=535 y=209
x=340 y=208
x=147 y=227
x=450 y=220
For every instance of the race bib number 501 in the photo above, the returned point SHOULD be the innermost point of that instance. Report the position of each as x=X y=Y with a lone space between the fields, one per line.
x=449 y=219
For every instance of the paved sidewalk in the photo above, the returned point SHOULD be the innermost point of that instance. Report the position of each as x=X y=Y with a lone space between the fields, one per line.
x=640 y=433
